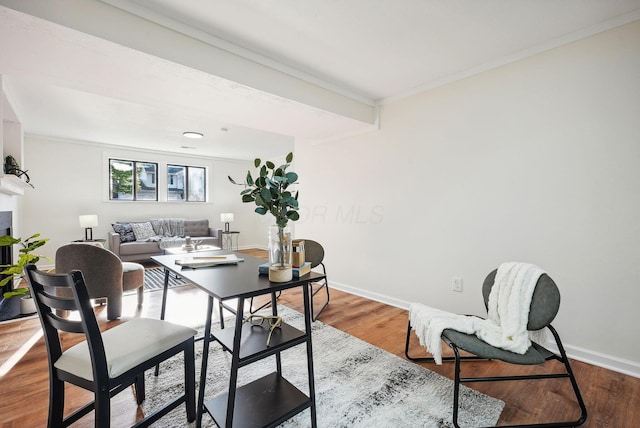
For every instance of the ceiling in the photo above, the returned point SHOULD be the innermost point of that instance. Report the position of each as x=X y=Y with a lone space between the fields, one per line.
x=255 y=75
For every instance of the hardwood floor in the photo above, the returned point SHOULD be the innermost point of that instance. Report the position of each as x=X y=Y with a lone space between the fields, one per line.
x=613 y=399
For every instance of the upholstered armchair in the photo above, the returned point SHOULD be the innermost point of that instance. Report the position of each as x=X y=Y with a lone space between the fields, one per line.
x=105 y=274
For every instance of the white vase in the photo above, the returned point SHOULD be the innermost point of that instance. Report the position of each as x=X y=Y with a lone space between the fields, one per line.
x=280 y=246
x=27 y=305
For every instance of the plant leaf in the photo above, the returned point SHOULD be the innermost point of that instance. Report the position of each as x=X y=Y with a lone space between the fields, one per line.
x=256 y=162
x=265 y=194
x=8 y=240
x=17 y=292
x=289 y=157
x=293 y=215
x=292 y=177
x=231 y=179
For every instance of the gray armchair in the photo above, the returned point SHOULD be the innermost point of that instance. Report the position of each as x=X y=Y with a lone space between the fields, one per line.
x=106 y=275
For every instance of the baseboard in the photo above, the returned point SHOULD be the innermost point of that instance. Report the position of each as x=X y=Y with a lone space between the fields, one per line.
x=605 y=361
x=588 y=356
x=382 y=298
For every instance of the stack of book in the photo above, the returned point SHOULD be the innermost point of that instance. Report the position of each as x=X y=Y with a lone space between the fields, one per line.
x=263 y=269
x=208 y=261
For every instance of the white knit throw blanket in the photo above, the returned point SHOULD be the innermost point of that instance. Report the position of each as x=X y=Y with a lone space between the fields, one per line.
x=168 y=227
x=508 y=314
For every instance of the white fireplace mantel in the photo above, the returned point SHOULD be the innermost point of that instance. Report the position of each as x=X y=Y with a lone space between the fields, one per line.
x=12 y=185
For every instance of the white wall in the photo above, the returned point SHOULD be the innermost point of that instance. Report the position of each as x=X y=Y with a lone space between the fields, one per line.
x=535 y=161
x=71 y=179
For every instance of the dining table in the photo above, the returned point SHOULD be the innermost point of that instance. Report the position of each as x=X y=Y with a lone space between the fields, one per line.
x=271 y=399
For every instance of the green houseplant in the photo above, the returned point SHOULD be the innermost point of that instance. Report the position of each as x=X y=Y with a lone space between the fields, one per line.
x=26 y=256
x=270 y=192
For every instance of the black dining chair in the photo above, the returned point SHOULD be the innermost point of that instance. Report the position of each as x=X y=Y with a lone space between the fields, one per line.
x=104 y=363
x=545 y=303
x=314 y=253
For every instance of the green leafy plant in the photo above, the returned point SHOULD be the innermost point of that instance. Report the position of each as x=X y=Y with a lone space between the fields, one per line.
x=269 y=191
x=25 y=257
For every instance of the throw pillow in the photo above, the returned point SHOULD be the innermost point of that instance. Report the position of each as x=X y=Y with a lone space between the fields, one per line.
x=143 y=231
x=125 y=231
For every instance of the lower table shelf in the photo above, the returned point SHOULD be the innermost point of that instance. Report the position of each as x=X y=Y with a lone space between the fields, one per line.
x=265 y=402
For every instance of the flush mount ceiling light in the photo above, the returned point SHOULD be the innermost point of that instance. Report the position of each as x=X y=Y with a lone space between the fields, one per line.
x=192 y=134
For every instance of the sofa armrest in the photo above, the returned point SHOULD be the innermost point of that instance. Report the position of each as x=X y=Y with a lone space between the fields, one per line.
x=217 y=234
x=114 y=243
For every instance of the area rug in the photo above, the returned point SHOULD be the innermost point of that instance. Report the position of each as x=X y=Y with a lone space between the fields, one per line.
x=357 y=385
x=154 y=279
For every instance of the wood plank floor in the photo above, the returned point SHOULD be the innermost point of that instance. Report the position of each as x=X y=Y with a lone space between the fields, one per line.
x=613 y=399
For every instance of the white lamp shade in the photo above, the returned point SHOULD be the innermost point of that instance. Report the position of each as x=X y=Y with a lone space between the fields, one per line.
x=226 y=217
x=90 y=220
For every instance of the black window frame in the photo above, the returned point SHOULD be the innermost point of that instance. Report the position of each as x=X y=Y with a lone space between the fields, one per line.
x=187 y=183
x=134 y=186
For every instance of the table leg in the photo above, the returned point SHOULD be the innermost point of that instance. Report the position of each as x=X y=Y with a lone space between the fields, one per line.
x=205 y=360
x=163 y=307
x=274 y=311
x=235 y=362
x=165 y=288
x=308 y=310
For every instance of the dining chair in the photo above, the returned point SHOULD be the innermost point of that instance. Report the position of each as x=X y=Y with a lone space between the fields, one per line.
x=108 y=362
x=314 y=253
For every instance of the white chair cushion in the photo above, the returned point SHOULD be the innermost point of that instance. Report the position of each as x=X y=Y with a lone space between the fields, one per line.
x=126 y=346
x=131 y=267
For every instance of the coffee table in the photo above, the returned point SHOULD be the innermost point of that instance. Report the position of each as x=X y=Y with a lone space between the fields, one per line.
x=198 y=249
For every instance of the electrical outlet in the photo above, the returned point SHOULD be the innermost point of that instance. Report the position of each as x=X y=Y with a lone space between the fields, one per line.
x=456 y=284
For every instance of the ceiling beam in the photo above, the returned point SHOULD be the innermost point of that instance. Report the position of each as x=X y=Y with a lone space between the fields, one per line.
x=118 y=26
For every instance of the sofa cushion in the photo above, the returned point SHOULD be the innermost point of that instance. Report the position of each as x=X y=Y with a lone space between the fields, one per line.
x=195 y=228
x=143 y=231
x=125 y=231
x=140 y=247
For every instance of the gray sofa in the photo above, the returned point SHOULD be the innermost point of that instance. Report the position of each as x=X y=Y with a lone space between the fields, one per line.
x=125 y=245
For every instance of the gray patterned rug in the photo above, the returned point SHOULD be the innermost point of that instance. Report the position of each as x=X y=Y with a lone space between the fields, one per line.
x=357 y=385
x=154 y=279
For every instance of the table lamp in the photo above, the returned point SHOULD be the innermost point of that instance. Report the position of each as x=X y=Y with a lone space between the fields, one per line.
x=226 y=218
x=88 y=222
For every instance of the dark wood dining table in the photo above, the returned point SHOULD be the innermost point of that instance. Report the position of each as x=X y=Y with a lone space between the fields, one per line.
x=269 y=400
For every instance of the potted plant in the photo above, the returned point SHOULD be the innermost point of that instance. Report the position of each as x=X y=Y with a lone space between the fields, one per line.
x=15 y=271
x=270 y=192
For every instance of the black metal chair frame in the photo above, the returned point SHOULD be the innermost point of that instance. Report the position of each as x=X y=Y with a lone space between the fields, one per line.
x=458 y=358
x=42 y=285
x=314 y=288
x=318 y=288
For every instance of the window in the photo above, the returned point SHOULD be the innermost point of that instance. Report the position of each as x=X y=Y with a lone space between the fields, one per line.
x=186 y=183
x=123 y=174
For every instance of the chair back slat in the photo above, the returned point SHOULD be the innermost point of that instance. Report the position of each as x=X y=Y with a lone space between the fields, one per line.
x=63 y=324
x=58 y=302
